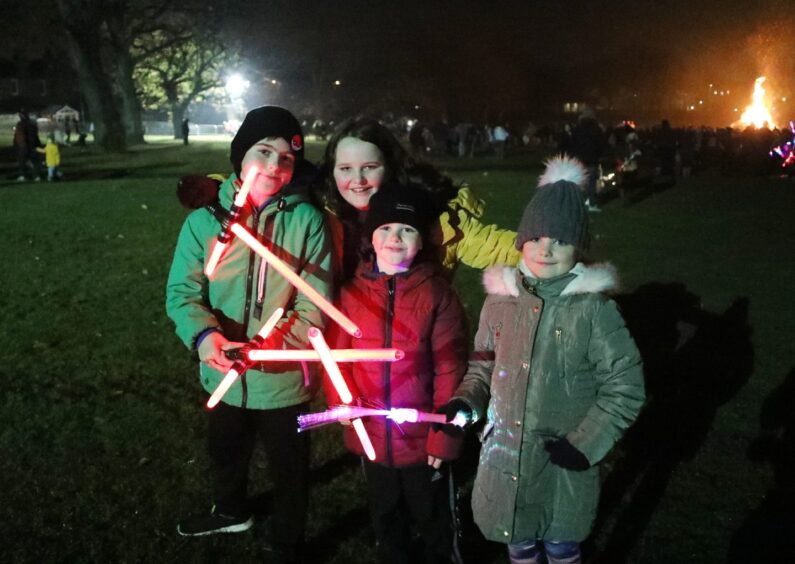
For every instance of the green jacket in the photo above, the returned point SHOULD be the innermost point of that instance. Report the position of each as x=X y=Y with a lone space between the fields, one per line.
x=553 y=358
x=244 y=291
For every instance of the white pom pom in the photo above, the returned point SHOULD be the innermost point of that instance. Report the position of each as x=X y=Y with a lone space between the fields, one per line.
x=564 y=167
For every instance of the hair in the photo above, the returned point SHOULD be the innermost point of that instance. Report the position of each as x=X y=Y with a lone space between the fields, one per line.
x=399 y=166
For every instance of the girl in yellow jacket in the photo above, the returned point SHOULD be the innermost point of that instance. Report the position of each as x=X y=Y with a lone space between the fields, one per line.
x=362 y=156
x=52 y=158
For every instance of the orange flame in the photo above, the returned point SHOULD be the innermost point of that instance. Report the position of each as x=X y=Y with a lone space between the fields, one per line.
x=758 y=114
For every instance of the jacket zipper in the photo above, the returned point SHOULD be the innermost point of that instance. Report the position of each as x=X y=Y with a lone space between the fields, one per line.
x=267 y=235
x=247 y=308
x=387 y=368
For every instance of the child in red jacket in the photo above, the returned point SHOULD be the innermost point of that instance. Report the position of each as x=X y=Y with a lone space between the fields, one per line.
x=401 y=301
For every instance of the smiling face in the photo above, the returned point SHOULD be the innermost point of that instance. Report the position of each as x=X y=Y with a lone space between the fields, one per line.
x=275 y=161
x=358 y=171
x=396 y=245
x=547 y=258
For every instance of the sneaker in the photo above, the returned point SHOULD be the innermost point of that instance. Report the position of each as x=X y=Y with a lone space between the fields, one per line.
x=213 y=523
x=594 y=209
x=21 y=178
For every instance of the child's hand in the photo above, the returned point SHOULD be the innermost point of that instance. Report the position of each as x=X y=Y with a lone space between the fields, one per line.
x=562 y=453
x=435 y=462
x=211 y=351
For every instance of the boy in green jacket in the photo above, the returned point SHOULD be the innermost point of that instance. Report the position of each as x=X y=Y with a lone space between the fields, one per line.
x=556 y=375
x=224 y=312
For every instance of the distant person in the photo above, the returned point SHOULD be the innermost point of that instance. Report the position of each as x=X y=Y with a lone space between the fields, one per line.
x=557 y=379
x=214 y=315
x=67 y=127
x=588 y=144
x=666 y=149
x=500 y=138
x=402 y=299
x=27 y=142
x=52 y=158
x=185 y=130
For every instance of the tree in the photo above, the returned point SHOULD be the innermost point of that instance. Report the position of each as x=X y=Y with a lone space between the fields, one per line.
x=83 y=21
x=176 y=68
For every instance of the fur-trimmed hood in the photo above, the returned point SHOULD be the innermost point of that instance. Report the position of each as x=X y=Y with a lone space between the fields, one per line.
x=600 y=277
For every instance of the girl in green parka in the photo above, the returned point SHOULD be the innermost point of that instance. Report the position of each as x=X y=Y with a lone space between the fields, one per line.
x=557 y=377
x=224 y=312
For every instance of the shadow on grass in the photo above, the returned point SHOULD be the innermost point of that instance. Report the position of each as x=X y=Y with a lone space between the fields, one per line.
x=695 y=361
x=768 y=533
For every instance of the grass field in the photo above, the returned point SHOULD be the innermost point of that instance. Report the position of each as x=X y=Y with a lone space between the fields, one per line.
x=101 y=424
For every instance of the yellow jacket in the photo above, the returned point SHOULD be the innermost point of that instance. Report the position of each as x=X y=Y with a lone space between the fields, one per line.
x=52 y=154
x=459 y=234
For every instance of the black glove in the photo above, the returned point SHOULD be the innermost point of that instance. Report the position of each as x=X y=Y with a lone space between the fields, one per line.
x=450 y=410
x=562 y=453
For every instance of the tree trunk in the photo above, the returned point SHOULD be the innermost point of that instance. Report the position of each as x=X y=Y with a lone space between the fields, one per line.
x=82 y=23
x=130 y=106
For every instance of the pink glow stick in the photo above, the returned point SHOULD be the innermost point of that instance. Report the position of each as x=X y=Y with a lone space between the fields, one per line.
x=338 y=355
x=238 y=367
x=301 y=284
x=397 y=414
x=223 y=238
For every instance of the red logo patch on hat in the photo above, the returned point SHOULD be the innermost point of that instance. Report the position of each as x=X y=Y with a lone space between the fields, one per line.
x=297 y=143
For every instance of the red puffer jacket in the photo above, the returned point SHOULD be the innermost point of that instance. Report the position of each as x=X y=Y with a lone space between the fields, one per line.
x=418 y=312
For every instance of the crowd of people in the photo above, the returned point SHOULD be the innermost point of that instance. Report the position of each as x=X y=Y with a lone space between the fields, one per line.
x=551 y=383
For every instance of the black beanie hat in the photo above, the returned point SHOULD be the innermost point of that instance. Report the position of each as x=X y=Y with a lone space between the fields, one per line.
x=557 y=209
x=396 y=203
x=262 y=122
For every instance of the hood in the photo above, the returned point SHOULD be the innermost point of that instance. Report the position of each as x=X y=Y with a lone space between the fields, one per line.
x=600 y=277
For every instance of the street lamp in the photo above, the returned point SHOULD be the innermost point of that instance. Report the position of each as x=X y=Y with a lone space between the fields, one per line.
x=236 y=86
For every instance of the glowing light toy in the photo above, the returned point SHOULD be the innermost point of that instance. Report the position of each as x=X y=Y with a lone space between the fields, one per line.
x=282 y=268
x=333 y=371
x=397 y=414
x=234 y=213
x=786 y=150
x=338 y=355
x=240 y=366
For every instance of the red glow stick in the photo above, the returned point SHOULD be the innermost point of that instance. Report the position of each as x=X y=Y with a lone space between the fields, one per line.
x=338 y=355
x=223 y=237
x=364 y=438
x=238 y=368
x=301 y=284
x=333 y=371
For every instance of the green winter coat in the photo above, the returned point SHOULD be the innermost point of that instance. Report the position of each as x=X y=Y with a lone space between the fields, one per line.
x=553 y=358
x=244 y=291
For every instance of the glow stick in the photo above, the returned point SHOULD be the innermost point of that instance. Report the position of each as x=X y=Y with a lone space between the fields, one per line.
x=397 y=414
x=333 y=371
x=319 y=343
x=338 y=355
x=301 y=284
x=234 y=212
x=238 y=368
x=364 y=438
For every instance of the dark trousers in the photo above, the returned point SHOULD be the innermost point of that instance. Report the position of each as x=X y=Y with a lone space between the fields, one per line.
x=401 y=496
x=232 y=434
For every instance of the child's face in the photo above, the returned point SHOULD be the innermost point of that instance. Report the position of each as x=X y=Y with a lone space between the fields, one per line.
x=275 y=161
x=396 y=245
x=547 y=258
x=358 y=171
